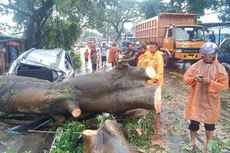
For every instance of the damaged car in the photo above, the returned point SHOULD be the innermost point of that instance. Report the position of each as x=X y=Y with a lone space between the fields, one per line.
x=224 y=55
x=47 y=64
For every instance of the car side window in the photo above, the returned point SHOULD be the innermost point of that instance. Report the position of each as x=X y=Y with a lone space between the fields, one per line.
x=225 y=47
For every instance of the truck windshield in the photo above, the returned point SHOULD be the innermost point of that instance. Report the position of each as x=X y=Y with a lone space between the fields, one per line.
x=190 y=34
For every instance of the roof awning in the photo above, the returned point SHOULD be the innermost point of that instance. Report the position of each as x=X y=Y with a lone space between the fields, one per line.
x=209 y=25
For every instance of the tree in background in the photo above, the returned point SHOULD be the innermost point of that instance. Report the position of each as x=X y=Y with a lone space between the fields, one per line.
x=86 y=13
x=223 y=8
x=31 y=16
x=65 y=26
x=120 y=13
x=152 y=8
x=190 y=6
x=58 y=33
x=41 y=20
x=176 y=6
x=198 y=6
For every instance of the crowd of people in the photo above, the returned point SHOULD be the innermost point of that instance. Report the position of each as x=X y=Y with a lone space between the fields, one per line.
x=207 y=78
x=138 y=55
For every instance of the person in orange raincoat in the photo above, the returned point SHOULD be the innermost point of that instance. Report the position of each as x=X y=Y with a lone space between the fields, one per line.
x=154 y=59
x=86 y=55
x=113 y=55
x=207 y=78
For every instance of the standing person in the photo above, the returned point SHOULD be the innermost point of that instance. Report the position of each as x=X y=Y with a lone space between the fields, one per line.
x=212 y=37
x=154 y=59
x=86 y=56
x=103 y=55
x=207 y=78
x=131 y=54
x=98 y=58
x=94 y=61
x=113 y=55
x=142 y=49
x=13 y=54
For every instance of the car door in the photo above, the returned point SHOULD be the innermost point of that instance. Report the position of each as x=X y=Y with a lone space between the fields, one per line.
x=224 y=53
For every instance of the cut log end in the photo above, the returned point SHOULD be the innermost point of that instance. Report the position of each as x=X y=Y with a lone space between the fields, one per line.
x=89 y=140
x=150 y=72
x=89 y=132
x=76 y=112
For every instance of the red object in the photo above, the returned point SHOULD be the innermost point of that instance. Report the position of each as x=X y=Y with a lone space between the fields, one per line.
x=93 y=50
x=13 y=43
x=86 y=54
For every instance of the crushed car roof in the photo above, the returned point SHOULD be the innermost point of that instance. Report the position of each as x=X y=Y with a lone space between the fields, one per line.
x=43 y=57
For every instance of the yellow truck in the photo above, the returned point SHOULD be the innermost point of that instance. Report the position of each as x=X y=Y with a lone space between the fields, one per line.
x=176 y=33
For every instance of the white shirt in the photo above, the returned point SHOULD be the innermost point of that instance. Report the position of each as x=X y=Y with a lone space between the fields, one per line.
x=103 y=51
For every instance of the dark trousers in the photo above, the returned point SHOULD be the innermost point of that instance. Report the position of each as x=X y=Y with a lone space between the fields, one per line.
x=195 y=125
x=94 y=66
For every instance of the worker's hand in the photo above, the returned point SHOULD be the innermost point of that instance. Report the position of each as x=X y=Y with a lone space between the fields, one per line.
x=198 y=78
x=152 y=81
x=206 y=80
x=155 y=80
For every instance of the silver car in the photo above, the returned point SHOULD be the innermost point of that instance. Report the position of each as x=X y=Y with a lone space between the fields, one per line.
x=46 y=64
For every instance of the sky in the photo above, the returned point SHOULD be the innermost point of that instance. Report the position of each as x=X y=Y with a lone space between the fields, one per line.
x=209 y=16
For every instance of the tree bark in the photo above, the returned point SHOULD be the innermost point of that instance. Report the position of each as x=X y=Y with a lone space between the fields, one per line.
x=35 y=24
x=118 y=30
x=29 y=34
x=116 y=91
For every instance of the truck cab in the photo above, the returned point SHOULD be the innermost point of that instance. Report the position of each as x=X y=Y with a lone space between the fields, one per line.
x=177 y=34
x=182 y=42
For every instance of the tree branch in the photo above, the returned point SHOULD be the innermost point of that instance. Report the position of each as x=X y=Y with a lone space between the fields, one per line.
x=42 y=11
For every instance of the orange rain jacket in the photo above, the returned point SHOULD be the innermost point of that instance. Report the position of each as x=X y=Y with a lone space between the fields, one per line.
x=156 y=61
x=113 y=55
x=204 y=100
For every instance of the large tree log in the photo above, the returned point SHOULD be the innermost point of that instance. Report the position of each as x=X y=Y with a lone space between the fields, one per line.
x=108 y=139
x=118 y=90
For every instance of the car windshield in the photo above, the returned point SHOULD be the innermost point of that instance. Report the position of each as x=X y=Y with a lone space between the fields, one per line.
x=190 y=34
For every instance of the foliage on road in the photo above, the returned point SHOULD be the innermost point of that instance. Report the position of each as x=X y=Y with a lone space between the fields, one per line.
x=138 y=132
x=76 y=60
x=69 y=139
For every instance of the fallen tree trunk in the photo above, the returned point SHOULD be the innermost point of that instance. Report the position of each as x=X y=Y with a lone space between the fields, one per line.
x=108 y=139
x=118 y=90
